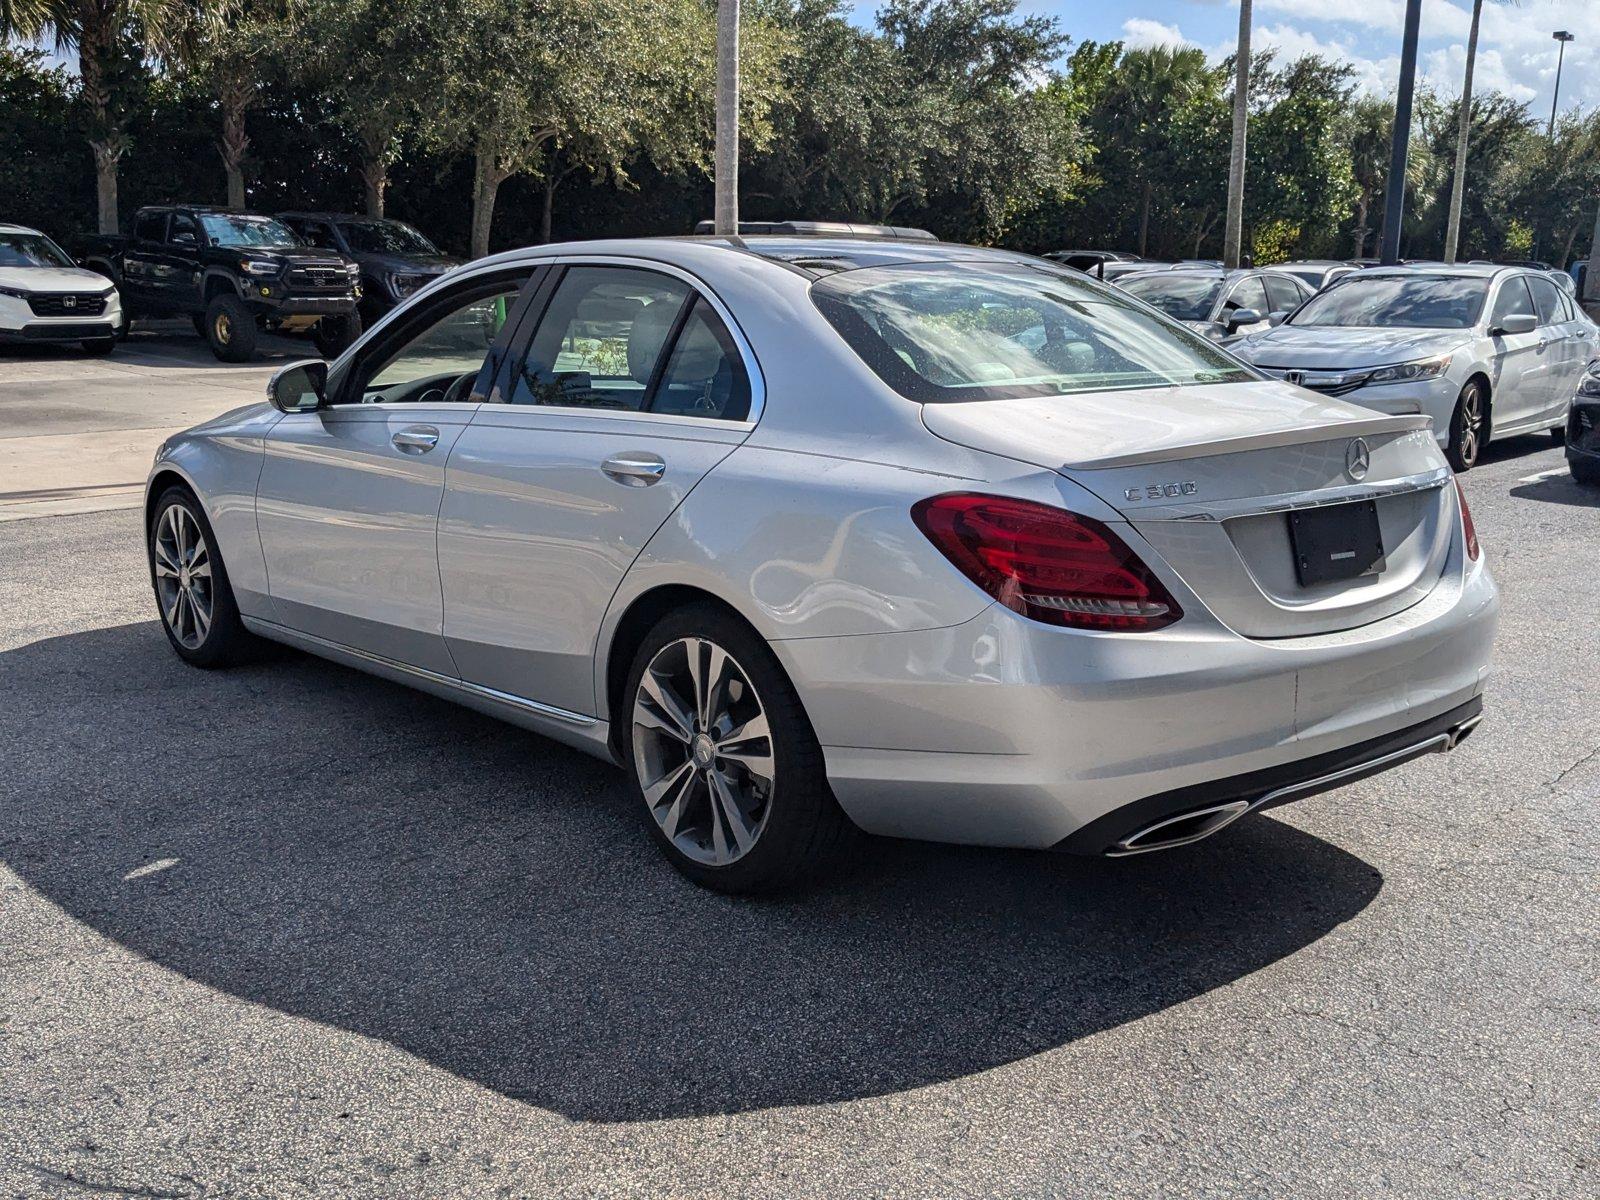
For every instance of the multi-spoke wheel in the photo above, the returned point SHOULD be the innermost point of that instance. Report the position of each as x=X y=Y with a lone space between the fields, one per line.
x=191 y=584
x=1469 y=427
x=183 y=576
x=730 y=772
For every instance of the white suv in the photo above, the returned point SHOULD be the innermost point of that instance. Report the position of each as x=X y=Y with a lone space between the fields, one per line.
x=47 y=298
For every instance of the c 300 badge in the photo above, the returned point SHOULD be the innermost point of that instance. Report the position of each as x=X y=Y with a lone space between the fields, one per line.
x=1162 y=491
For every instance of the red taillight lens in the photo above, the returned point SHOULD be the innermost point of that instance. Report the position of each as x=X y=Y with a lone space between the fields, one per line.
x=1468 y=529
x=1046 y=563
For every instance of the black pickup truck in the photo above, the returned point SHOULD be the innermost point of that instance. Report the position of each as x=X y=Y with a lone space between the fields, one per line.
x=234 y=274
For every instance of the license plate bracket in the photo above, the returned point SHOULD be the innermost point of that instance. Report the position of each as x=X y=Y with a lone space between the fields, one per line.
x=1336 y=543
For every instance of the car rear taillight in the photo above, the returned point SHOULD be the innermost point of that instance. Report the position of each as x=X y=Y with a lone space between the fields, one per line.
x=1468 y=529
x=1046 y=563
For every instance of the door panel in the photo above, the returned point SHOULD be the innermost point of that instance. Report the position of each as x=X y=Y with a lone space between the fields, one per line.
x=1519 y=381
x=535 y=535
x=348 y=509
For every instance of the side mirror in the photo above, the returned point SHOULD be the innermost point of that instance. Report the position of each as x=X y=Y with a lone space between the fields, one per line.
x=299 y=387
x=1516 y=323
x=1277 y=318
x=1240 y=317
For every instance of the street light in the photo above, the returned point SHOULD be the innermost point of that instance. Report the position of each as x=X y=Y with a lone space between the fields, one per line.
x=725 y=211
x=1563 y=37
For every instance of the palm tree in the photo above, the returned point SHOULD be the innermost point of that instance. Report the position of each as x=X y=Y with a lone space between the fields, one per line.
x=1370 y=123
x=1452 y=232
x=111 y=38
x=1233 y=229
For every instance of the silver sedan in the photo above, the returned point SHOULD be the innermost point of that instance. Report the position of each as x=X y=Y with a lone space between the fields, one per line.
x=816 y=535
x=1481 y=351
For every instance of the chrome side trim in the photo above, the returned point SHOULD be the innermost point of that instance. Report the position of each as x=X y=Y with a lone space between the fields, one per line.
x=522 y=703
x=1436 y=744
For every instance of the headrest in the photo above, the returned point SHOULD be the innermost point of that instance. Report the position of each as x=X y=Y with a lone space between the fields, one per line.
x=649 y=330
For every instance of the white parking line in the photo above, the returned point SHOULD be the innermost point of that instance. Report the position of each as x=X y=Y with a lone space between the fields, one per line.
x=1551 y=474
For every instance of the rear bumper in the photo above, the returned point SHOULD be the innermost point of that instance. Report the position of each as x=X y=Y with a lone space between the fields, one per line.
x=1004 y=732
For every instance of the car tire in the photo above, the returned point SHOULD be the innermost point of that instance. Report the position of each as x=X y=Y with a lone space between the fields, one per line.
x=194 y=599
x=784 y=825
x=1585 y=471
x=99 y=346
x=1469 y=426
x=230 y=329
x=335 y=335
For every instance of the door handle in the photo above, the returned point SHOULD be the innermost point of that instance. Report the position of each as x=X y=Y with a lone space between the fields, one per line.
x=415 y=439
x=635 y=470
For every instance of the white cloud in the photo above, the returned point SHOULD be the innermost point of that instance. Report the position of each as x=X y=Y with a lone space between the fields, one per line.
x=1142 y=32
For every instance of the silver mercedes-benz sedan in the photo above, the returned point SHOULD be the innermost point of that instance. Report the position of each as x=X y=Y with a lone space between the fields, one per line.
x=1480 y=351
x=812 y=535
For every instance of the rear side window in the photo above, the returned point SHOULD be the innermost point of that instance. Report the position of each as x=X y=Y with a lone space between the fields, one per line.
x=635 y=340
x=973 y=330
x=1548 y=298
x=150 y=227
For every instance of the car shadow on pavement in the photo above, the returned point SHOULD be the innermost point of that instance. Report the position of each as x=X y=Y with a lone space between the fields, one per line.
x=344 y=850
x=1559 y=489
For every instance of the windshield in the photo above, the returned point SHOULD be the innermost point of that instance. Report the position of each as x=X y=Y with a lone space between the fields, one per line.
x=1182 y=297
x=940 y=332
x=237 y=229
x=386 y=237
x=31 y=250
x=1403 y=301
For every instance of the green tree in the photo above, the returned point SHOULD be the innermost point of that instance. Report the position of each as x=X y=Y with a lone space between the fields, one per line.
x=113 y=39
x=230 y=59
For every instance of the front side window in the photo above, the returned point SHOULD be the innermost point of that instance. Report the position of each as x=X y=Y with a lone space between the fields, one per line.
x=1282 y=295
x=1410 y=301
x=1179 y=294
x=241 y=229
x=150 y=227
x=1511 y=301
x=1547 y=297
x=438 y=355
x=31 y=250
x=962 y=331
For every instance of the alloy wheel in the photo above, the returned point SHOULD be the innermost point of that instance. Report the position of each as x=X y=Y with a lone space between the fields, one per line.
x=183 y=576
x=224 y=329
x=702 y=750
x=1471 y=424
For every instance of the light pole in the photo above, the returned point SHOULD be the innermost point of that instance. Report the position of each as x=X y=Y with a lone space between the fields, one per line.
x=1394 y=190
x=1562 y=37
x=725 y=212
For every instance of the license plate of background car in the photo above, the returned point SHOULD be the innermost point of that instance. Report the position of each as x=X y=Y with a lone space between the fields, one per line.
x=1341 y=541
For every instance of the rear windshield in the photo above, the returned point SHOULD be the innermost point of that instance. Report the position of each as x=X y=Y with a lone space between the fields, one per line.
x=31 y=250
x=1404 y=301
x=1182 y=296
x=941 y=332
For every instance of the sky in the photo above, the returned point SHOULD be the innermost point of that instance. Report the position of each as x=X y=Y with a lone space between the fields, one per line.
x=1516 y=53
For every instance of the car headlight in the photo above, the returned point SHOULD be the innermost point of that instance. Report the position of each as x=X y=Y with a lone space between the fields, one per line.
x=352 y=269
x=256 y=266
x=1589 y=385
x=17 y=293
x=1411 y=372
x=403 y=285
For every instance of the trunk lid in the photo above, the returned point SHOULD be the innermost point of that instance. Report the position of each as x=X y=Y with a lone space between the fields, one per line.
x=1209 y=476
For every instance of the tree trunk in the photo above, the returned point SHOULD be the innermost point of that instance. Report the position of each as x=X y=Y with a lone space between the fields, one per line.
x=1144 y=220
x=1233 y=231
x=725 y=179
x=1361 y=230
x=486 y=187
x=374 y=182
x=234 y=98
x=1452 y=229
x=551 y=182
x=1591 y=278
x=106 y=157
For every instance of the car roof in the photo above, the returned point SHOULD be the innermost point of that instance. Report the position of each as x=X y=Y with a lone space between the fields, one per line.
x=8 y=228
x=312 y=215
x=1189 y=271
x=1461 y=270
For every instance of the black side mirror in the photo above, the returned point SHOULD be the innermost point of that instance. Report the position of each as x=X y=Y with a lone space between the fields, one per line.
x=1240 y=317
x=299 y=387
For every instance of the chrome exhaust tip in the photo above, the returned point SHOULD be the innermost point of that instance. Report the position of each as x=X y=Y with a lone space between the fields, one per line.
x=1181 y=830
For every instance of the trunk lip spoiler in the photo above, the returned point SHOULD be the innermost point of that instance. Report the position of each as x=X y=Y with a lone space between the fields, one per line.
x=1255 y=506
x=1238 y=443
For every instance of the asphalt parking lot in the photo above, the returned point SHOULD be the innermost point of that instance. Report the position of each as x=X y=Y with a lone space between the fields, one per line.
x=291 y=931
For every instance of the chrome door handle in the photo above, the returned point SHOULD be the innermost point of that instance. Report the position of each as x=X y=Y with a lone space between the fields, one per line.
x=415 y=439
x=635 y=470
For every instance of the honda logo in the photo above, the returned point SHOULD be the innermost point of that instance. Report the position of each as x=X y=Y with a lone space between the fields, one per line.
x=69 y=302
x=1357 y=459
x=1295 y=377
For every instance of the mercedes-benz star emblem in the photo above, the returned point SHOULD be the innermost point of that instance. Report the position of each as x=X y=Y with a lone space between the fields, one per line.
x=1357 y=458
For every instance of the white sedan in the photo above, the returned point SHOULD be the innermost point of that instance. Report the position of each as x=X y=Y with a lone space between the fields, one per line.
x=46 y=298
x=1481 y=351
x=810 y=533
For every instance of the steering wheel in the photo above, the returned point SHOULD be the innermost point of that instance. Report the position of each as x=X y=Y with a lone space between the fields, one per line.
x=457 y=391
